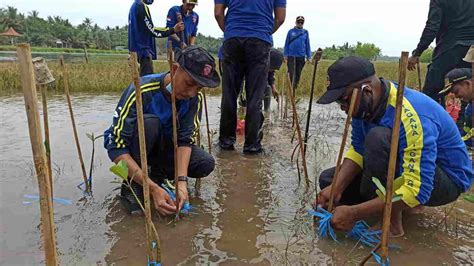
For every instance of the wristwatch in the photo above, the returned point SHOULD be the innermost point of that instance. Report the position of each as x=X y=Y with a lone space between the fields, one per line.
x=183 y=178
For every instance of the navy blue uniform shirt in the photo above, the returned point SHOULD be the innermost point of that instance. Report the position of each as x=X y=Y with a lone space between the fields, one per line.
x=297 y=43
x=190 y=21
x=250 y=19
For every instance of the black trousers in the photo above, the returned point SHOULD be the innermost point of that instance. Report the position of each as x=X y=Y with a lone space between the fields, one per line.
x=160 y=154
x=376 y=157
x=146 y=65
x=295 y=66
x=244 y=59
x=440 y=66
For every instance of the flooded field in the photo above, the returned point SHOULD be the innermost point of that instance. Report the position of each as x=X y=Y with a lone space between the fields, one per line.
x=250 y=210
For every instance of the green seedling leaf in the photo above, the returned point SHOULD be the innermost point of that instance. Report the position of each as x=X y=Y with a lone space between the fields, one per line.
x=380 y=194
x=396 y=198
x=89 y=136
x=469 y=197
x=379 y=185
x=120 y=170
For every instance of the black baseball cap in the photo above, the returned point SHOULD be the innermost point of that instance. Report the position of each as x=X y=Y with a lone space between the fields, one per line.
x=455 y=75
x=199 y=64
x=344 y=72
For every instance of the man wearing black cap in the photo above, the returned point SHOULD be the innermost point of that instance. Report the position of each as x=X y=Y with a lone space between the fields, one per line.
x=433 y=166
x=451 y=22
x=195 y=69
x=459 y=82
x=297 y=47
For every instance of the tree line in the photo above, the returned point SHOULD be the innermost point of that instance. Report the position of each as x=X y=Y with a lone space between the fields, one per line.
x=55 y=31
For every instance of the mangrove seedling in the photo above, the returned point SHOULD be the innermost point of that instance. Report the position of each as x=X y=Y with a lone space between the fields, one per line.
x=381 y=192
x=121 y=171
x=93 y=138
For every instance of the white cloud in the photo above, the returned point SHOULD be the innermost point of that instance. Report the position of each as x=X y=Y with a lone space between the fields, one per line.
x=393 y=25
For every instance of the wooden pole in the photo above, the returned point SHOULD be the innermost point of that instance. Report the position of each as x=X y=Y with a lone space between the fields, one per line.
x=316 y=58
x=298 y=130
x=355 y=95
x=151 y=238
x=47 y=142
x=73 y=122
x=175 y=128
x=387 y=213
x=39 y=156
x=207 y=123
x=418 y=70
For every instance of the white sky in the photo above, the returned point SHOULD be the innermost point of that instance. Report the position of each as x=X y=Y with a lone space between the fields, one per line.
x=393 y=25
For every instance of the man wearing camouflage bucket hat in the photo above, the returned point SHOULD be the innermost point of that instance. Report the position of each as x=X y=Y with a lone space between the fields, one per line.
x=195 y=68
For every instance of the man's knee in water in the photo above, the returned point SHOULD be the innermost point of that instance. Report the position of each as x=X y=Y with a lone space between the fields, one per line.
x=325 y=178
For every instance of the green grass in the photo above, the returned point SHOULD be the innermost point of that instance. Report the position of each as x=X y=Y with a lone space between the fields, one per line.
x=64 y=50
x=109 y=75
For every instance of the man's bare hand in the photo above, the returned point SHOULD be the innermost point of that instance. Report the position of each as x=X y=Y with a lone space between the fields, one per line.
x=344 y=218
x=322 y=199
x=163 y=202
x=178 y=27
x=412 y=62
x=183 y=193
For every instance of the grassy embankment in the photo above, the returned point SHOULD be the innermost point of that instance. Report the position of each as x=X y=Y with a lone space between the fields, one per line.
x=109 y=75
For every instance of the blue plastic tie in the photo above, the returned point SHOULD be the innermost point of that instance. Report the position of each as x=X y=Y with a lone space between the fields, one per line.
x=362 y=233
x=186 y=206
x=378 y=259
x=325 y=229
x=82 y=183
x=56 y=200
x=153 y=263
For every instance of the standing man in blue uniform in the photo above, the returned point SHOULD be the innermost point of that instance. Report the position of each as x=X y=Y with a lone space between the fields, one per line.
x=297 y=47
x=191 y=20
x=142 y=34
x=433 y=166
x=248 y=27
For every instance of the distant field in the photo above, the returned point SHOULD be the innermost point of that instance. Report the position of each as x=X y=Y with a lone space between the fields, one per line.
x=64 y=50
x=102 y=75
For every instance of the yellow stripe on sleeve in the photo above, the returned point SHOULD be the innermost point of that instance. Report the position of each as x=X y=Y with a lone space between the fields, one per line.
x=355 y=157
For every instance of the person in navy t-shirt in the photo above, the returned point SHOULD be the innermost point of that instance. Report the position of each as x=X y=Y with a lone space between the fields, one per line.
x=296 y=49
x=142 y=34
x=186 y=13
x=248 y=27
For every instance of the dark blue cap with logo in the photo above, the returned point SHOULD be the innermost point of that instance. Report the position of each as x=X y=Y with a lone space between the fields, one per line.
x=199 y=64
x=344 y=72
x=454 y=76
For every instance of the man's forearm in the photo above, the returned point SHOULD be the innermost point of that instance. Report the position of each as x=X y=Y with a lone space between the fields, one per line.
x=375 y=207
x=280 y=14
x=219 y=15
x=183 y=157
x=348 y=171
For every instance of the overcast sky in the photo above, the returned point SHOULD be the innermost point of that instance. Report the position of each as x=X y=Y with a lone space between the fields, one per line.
x=393 y=25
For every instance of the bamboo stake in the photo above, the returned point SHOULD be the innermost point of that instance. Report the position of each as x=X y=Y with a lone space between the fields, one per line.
x=354 y=97
x=207 y=122
x=298 y=130
x=285 y=115
x=316 y=58
x=47 y=142
x=151 y=238
x=73 y=122
x=39 y=156
x=419 y=76
x=175 y=129
x=387 y=214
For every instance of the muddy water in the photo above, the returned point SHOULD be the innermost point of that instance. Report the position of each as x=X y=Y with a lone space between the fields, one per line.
x=250 y=210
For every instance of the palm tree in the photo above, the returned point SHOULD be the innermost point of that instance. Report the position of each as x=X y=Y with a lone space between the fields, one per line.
x=11 y=18
x=33 y=14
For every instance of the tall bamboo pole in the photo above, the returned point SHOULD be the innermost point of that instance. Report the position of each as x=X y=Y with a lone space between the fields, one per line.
x=153 y=254
x=354 y=97
x=418 y=70
x=207 y=122
x=73 y=122
x=298 y=130
x=47 y=142
x=39 y=156
x=175 y=128
x=316 y=58
x=387 y=213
